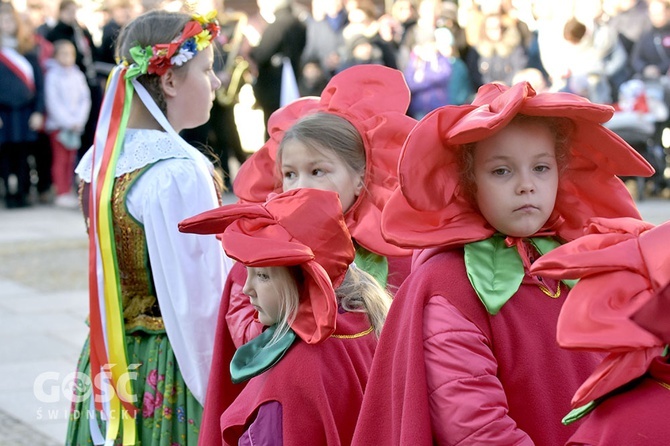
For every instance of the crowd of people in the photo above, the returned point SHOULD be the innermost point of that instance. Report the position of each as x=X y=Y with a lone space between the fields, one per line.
x=446 y=50
x=399 y=268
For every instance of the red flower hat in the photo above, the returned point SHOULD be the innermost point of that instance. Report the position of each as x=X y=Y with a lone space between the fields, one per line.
x=374 y=99
x=302 y=227
x=429 y=209
x=621 y=263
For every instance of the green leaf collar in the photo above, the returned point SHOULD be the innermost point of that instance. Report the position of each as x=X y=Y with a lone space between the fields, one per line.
x=496 y=271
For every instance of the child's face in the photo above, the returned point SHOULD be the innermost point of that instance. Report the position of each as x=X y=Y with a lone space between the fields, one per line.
x=517 y=178
x=302 y=166
x=7 y=23
x=193 y=99
x=261 y=287
x=65 y=56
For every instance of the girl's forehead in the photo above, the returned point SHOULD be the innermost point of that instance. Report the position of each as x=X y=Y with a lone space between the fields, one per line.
x=305 y=151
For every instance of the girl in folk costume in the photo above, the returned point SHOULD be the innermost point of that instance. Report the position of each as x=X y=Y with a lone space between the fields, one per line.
x=469 y=354
x=620 y=306
x=310 y=367
x=348 y=141
x=154 y=292
x=21 y=103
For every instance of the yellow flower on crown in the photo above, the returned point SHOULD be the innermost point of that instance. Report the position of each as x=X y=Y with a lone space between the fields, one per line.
x=204 y=19
x=202 y=40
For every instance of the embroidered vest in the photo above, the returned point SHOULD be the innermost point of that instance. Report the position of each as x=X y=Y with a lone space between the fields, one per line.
x=140 y=304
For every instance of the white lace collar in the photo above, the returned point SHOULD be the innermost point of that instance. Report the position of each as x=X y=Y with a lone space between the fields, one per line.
x=140 y=148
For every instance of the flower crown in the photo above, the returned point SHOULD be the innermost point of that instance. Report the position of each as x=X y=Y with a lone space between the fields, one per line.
x=157 y=59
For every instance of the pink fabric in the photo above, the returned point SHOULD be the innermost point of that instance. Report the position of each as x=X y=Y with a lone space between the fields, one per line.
x=320 y=388
x=266 y=429
x=621 y=263
x=502 y=379
x=429 y=209
x=654 y=316
x=635 y=417
x=374 y=99
x=241 y=317
x=302 y=227
x=62 y=165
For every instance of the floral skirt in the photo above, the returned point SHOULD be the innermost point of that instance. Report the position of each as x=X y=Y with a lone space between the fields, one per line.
x=169 y=414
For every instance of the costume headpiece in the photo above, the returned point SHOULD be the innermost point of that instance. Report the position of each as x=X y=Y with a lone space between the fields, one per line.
x=107 y=339
x=301 y=227
x=429 y=209
x=374 y=99
x=621 y=263
x=157 y=59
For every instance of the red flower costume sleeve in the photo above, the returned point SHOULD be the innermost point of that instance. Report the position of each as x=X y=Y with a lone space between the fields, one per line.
x=429 y=209
x=374 y=99
x=621 y=264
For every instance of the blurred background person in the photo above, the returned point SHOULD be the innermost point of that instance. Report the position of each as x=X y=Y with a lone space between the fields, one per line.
x=68 y=103
x=68 y=28
x=435 y=74
x=21 y=104
x=284 y=37
x=324 y=37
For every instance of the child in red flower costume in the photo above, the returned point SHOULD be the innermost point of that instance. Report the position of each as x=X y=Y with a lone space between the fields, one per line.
x=468 y=354
x=620 y=306
x=308 y=369
x=348 y=140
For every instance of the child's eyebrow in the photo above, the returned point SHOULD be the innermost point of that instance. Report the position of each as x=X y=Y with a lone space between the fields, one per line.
x=310 y=163
x=507 y=158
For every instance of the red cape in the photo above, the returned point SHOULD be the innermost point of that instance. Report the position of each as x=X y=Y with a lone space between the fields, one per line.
x=221 y=392
x=320 y=388
x=396 y=407
x=634 y=417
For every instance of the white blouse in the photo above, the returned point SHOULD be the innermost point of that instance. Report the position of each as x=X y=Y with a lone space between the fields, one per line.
x=189 y=270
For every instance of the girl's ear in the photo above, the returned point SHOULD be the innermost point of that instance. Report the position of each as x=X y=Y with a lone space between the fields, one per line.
x=360 y=184
x=169 y=83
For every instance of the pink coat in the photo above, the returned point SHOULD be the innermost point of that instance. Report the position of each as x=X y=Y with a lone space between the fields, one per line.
x=486 y=380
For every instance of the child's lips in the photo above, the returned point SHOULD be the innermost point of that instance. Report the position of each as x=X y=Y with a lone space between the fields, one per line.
x=527 y=208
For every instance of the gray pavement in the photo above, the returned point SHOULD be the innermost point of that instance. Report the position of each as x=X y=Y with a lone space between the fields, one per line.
x=43 y=305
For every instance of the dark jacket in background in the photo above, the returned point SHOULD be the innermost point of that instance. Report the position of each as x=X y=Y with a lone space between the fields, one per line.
x=286 y=36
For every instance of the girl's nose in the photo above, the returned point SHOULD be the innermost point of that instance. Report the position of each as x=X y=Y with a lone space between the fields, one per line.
x=303 y=181
x=247 y=289
x=216 y=82
x=525 y=185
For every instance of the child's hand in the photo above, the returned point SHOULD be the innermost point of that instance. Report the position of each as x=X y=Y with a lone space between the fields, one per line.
x=36 y=121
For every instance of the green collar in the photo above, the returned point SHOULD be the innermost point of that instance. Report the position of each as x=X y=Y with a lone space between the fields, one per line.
x=256 y=356
x=375 y=265
x=496 y=270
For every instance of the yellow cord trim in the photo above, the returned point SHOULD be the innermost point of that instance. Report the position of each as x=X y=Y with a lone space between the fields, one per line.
x=662 y=383
x=354 y=336
x=549 y=293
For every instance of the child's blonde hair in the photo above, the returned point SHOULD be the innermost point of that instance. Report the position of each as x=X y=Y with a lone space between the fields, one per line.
x=151 y=28
x=321 y=131
x=285 y=280
x=359 y=292
x=560 y=128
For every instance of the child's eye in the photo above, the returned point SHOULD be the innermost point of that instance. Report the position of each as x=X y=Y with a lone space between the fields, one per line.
x=500 y=171
x=542 y=168
x=317 y=172
x=289 y=175
x=262 y=276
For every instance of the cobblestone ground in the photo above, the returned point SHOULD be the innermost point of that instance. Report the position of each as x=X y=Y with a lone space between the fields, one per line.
x=15 y=433
x=51 y=266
